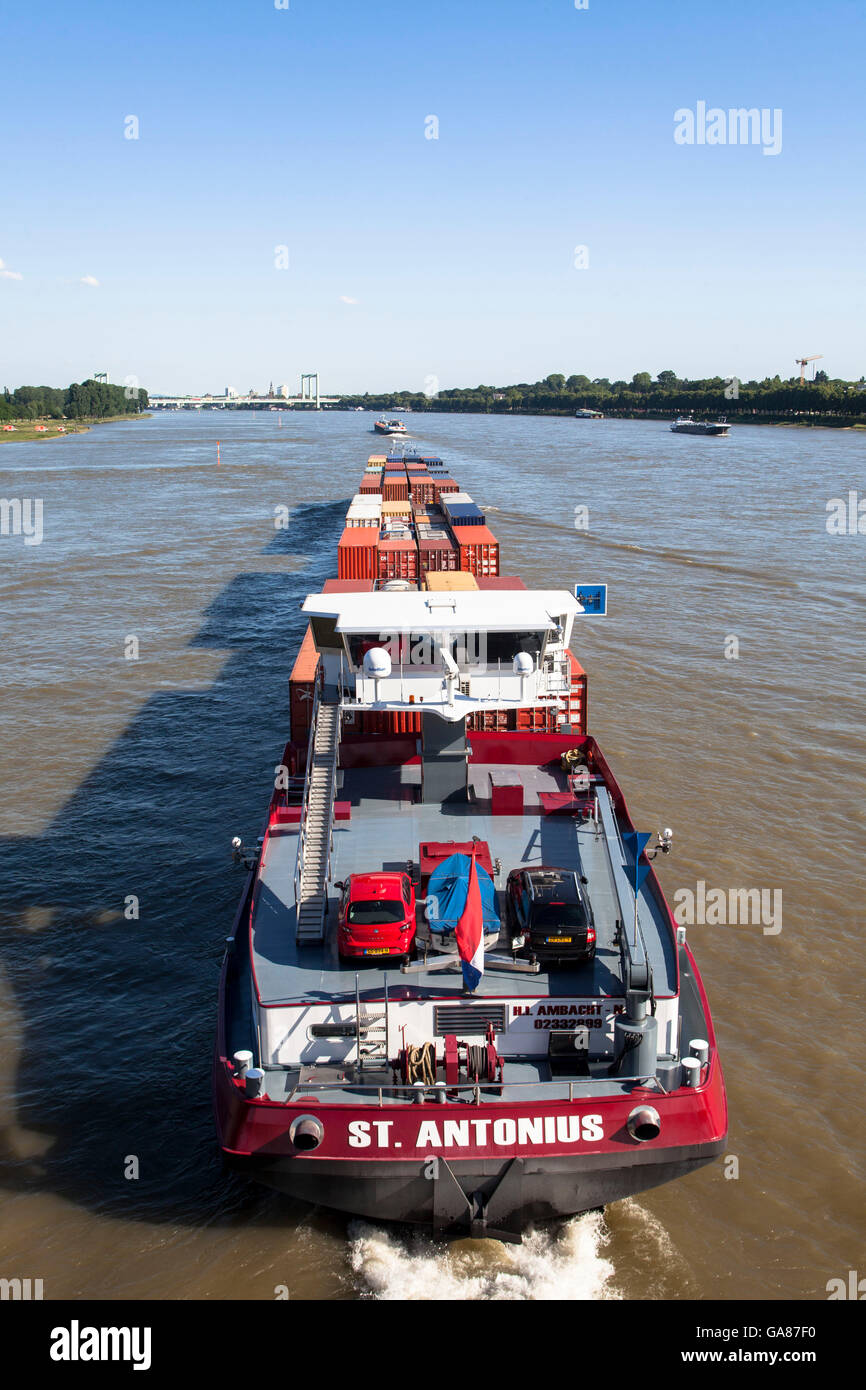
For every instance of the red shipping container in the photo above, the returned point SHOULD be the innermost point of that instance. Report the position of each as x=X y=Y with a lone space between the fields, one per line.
x=395 y=466
x=445 y=485
x=500 y=581
x=395 y=489
x=437 y=553
x=347 y=586
x=423 y=491
x=372 y=482
x=356 y=553
x=479 y=549
x=398 y=559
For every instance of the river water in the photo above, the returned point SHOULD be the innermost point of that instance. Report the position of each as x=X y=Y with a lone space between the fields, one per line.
x=726 y=688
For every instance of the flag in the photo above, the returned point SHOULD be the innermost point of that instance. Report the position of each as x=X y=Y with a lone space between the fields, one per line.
x=470 y=933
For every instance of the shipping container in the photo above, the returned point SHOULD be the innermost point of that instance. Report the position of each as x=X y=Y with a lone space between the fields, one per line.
x=457 y=581
x=356 y=553
x=371 y=484
x=422 y=490
x=500 y=581
x=395 y=489
x=459 y=496
x=363 y=518
x=347 y=586
x=376 y=458
x=436 y=552
x=397 y=509
x=444 y=485
x=464 y=513
x=302 y=683
x=479 y=549
x=398 y=558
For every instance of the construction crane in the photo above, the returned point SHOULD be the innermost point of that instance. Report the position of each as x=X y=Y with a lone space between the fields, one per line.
x=802 y=364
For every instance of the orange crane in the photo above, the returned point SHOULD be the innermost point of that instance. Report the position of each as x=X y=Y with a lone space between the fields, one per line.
x=801 y=361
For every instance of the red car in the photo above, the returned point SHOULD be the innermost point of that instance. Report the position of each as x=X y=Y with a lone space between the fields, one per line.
x=377 y=916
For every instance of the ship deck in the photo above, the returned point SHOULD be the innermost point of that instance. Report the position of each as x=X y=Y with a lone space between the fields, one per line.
x=387 y=824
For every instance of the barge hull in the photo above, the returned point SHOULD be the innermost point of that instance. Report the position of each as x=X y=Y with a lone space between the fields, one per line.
x=497 y=1196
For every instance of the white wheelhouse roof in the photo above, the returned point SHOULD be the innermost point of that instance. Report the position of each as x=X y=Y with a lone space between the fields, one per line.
x=493 y=610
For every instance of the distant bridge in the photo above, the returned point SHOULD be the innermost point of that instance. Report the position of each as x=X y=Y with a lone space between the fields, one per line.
x=309 y=399
x=240 y=402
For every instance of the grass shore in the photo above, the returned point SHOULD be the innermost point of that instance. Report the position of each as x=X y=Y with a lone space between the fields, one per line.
x=26 y=430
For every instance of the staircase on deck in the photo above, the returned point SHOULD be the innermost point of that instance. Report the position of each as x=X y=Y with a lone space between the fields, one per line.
x=315 y=840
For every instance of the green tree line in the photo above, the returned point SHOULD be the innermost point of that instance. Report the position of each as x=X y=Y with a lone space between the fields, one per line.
x=81 y=400
x=667 y=395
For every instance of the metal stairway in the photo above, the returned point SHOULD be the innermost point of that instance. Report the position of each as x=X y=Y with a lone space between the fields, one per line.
x=315 y=841
x=371 y=1033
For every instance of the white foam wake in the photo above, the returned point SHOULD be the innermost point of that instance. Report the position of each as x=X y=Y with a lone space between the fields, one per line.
x=562 y=1263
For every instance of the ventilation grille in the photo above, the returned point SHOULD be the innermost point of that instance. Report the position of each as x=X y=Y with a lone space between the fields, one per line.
x=468 y=1020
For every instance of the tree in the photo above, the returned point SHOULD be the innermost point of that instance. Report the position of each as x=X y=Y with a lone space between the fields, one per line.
x=667 y=379
x=642 y=381
x=556 y=382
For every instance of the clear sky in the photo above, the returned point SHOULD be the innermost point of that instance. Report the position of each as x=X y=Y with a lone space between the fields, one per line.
x=413 y=258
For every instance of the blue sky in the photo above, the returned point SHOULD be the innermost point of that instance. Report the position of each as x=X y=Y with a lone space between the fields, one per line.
x=305 y=128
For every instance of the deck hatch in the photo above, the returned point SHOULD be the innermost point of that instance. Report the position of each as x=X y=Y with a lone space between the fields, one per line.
x=468 y=1019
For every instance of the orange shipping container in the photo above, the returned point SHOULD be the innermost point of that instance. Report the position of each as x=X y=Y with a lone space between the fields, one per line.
x=479 y=549
x=301 y=686
x=356 y=553
x=395 y=489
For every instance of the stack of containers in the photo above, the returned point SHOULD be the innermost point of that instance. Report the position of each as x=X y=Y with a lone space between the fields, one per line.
x=356 y=553
x=395 y=509
x=461 y=510
x=302 y=681
x=365 y=510
x=376 y=461
x=372 y=483
x=398 y=551
x=422 y=487
x=479 y=549
x=443 y=485
x=395 y=486
x=437 y=549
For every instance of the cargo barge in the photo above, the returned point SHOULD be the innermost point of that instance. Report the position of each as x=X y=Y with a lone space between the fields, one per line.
x=453 y=994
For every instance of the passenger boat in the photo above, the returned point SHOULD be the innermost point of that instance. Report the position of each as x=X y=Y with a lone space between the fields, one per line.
x=686 y=425
x=454 y=994
x=390 y=427
x=586 y=414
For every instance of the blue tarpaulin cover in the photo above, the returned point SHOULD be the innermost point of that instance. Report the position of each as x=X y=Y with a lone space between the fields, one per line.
x=448 y=884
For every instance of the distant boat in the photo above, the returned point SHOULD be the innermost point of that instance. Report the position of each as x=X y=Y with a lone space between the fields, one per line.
x=390 y=427
x=684 y=424
x=587 y=414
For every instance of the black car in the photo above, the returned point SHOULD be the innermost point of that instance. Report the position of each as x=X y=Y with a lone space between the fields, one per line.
x=549 y=915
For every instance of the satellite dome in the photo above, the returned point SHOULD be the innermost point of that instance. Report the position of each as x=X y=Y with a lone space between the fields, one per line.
x=377 y=664
x=523 y=664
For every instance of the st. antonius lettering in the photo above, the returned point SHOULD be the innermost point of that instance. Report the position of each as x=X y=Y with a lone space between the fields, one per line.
x=463 y=1134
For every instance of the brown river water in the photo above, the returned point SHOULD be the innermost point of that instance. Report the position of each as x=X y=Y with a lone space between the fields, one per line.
x=726 y=688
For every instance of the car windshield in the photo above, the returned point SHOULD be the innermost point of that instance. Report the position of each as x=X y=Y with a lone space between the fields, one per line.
x=547 y=915
x=375 y=912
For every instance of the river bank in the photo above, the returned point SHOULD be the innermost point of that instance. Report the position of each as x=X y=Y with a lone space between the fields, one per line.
x=27 y=431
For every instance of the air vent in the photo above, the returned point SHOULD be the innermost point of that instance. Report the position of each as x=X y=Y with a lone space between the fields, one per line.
x=468 y=1020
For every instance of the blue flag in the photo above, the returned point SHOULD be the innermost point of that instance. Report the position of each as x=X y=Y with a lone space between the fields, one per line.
x=636 y=842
